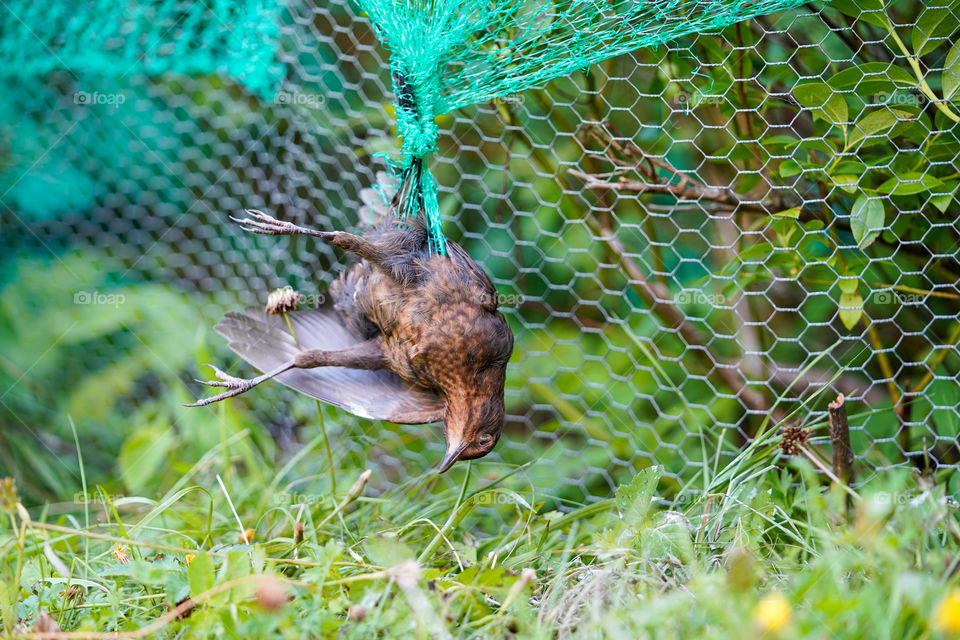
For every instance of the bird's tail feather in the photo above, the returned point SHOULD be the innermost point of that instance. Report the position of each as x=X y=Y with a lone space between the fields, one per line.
x=265 y=341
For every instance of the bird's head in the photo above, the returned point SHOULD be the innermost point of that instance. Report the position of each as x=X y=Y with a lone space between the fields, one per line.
x=473 y=417
x=471 y=428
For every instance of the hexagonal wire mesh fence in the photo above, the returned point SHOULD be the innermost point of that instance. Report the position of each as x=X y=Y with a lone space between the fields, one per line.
x=687 y=240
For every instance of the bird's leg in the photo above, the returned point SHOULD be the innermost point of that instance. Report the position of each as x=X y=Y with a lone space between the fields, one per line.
x=263 y=224
x=235 y=386
x=366 y=355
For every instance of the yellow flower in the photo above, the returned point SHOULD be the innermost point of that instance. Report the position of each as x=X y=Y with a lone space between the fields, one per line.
x=772 y=613
x=190 y=557
x=120 y=553
x=946 y=617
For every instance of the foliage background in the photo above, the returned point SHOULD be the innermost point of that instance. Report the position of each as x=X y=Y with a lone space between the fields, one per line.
x=783 y=188
x=695 y=245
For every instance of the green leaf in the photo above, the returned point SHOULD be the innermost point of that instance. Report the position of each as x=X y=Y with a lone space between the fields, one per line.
x=848 y=284
x=496 y=580
x=668 y=537
x=935 y=24
x=789 y=213
x=756 y=252
x=849 y=168
x=387 y=551
x=871 y=11
x=847 y=182
x=5 y=607
x=634 y=499
x=825 y=146
x=200 y=573
x=784 y=227
x=777 y=141
x=851 y=309
x=789 y=167
x=945 y=394
x=176 y=587
x=910 y=183
x=866 y=221
x=951 y=72
x=875 y=123
x=236 y=566
x=143 y=453
x=942 y=202
x=146 y=572
x=871 y=77
x=823 y=101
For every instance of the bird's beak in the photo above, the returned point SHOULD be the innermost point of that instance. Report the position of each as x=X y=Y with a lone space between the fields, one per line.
x=454 y=449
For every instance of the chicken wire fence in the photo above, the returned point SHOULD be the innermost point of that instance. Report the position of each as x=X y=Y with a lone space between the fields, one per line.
x=687 y=240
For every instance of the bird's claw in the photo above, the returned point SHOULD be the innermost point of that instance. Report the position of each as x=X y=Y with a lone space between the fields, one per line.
x=263 y=224
x=235 y=387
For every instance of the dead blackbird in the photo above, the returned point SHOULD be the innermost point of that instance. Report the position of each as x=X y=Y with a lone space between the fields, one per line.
x=406 y=335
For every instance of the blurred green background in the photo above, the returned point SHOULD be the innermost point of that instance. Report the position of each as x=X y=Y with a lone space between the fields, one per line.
x=689 y=240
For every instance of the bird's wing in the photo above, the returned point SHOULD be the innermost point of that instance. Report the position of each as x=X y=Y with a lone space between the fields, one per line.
x=265 y=341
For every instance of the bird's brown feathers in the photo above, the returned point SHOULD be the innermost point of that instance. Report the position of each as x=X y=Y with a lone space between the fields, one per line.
x=444 y=344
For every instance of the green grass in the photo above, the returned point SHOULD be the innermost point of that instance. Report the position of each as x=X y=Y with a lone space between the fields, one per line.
x=768 y=547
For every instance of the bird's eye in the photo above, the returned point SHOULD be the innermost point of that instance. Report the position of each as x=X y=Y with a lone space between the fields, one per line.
x=485 y=438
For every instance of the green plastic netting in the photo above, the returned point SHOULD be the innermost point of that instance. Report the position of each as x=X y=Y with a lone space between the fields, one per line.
x=47 y=46
x=444 y=54
x=116 y=39
x=447 y=54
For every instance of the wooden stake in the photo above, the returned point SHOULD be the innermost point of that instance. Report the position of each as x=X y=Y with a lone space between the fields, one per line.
x=840 y=439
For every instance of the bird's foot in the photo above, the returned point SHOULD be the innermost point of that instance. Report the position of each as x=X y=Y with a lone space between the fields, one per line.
x=235 y=387
x=261 y=223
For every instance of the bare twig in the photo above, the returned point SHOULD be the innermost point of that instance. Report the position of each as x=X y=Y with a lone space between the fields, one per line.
x=848 y=384
x=659 y=299
x=655 y=294
x=822 y=466
x=628 y=157
x=691 y=191
x=796 y=441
